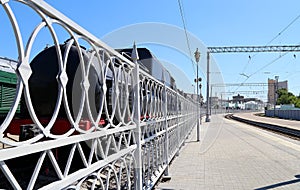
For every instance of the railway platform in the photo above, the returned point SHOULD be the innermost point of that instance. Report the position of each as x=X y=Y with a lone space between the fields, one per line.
x=234 y=155
x=293 y=124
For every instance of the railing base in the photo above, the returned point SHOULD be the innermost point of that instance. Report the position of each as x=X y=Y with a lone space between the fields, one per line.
x=166 y=178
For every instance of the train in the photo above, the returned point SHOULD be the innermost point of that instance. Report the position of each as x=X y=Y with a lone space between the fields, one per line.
x=8 y=80
x=150 y=64
x=44 y=89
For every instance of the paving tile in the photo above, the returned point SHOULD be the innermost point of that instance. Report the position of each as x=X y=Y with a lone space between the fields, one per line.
x=232 y=155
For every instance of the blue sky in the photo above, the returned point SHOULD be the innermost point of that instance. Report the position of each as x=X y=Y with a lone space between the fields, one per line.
x=214 y=22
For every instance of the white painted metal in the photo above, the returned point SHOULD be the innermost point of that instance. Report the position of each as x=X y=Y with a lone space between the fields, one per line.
x=6 y=171
x=147 y=122
x=137 y=116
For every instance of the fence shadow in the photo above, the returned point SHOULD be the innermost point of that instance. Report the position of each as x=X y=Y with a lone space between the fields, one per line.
x=282 y=184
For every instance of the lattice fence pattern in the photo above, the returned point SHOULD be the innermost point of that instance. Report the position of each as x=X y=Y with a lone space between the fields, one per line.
x=109 y=126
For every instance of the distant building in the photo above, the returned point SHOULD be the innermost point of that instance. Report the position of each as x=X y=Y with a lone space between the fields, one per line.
x=240 y=102
x=273 y=86
x=238 y=99
x=253 y=105
x=214 y=102
x=192 y=96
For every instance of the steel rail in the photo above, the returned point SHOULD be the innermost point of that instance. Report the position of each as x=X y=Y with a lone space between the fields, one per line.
x=271 y=127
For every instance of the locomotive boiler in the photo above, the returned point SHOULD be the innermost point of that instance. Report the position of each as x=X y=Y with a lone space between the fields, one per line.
x=44 y=88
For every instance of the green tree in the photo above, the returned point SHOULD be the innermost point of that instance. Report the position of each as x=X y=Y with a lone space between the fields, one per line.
x=297 y=103
x=285 y=97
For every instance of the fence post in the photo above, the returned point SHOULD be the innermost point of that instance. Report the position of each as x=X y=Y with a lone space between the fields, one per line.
x=165 y=101
x=136 y=118
x=177 y=123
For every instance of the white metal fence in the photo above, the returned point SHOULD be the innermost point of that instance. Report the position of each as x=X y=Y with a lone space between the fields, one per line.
x=128 y=142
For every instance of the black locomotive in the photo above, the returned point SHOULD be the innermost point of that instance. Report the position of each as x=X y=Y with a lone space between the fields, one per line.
x=44 y=87
x=149 y=63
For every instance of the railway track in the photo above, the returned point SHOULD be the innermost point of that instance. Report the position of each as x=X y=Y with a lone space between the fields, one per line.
x=289 y=132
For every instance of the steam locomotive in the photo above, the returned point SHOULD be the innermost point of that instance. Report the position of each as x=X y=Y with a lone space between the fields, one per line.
x=149 y=63
x=44 y=88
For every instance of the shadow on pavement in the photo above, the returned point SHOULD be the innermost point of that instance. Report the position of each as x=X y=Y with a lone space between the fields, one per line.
x=281 y=184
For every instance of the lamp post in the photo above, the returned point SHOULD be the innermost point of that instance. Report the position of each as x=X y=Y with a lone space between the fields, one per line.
x=193 y=89
x=200 y=86
x=197 y=58
x=207 y=89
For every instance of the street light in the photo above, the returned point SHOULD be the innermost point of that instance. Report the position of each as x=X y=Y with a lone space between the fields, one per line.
x=197 y=57
x=193 y=89
x=200 y=86
x=207 y=89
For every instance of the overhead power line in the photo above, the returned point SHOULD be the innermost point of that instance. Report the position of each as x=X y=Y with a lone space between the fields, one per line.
x=274 y=38
x=186 y=35
x=284 y=29
x=243 y=49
